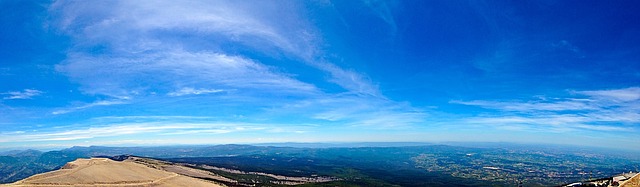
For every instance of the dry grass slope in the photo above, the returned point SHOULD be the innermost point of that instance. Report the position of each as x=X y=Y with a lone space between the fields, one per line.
x=633 y=182
x=106 y=172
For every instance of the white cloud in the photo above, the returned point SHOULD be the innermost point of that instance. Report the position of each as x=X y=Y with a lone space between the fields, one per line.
x=350 y=80
x=529 y=105
x=25 y=94
x=548 y=123
x=628 y=98
x=595 y=110
x=383 y=11
x=89 y=105
x=603 y=128
x=159 y=51
x=621 y=95
x=117 y=76
x=147 y=129
x=566 y=45
x=164 y=38
x=105 y=131
x=357 y=111
x=192 y=91
x=164 y=118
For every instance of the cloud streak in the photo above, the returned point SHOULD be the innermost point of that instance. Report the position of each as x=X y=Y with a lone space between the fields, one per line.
x=89 y=105
x=529 y=105
x=594 y=110
x=192 y=91
x=154 y=129
x=25 y=94
x=620 y=95
x=358 y=111
x=176 y=68
x=166 y=50
x=141 y=41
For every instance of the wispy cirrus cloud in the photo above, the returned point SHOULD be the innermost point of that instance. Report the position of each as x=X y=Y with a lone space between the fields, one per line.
x=141 y=41
x=621 y=95
x=350 y=80
x=89 y=105
x=356 y=110
x=154 y=129
x=163 y=118
x=176 y=68
x=595 y=110
x=176 y=49
x=192 y=91
x=529 y=105
x=25 y=94
x=383 y=10
x=546 y=123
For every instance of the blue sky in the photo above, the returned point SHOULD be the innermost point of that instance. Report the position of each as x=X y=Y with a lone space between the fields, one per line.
x=213 y=72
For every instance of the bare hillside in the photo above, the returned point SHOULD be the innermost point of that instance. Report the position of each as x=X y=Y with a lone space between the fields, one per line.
x=106 y=172
x=633 y=182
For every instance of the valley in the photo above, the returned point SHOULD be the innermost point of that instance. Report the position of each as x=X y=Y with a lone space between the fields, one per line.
x=426 y=165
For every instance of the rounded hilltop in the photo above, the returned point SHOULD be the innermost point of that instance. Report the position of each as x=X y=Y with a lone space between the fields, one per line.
x=107 y=172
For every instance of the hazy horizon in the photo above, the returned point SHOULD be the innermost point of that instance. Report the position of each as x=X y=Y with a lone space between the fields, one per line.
x=112 y=73
x=314 y=145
